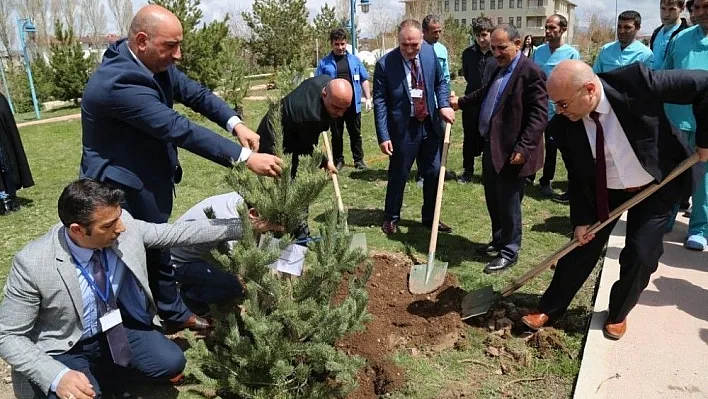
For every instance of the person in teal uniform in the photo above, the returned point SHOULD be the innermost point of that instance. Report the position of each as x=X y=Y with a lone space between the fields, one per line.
x=547 y=56
x=671 y=24
x=689 y=50
x=626 y=49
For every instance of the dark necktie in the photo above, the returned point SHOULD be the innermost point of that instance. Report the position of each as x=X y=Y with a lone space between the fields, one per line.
x=116 y=336
x=603 y=207
x=420 y=109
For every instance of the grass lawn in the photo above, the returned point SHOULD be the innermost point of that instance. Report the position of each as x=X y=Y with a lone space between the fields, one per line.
x=54 y=152
x=30 y=116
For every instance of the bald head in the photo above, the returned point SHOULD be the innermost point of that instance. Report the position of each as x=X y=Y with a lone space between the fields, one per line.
x=150 y=19
x=155 y=37
x=337 y=96
x=575 y=88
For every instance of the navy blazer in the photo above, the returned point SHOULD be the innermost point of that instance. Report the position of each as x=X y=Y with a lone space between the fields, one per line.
x=637 y=95
x=131 y=133
x=392 y=98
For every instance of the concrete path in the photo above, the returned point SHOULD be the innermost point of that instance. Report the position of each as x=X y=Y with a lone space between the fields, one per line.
x=51 y=120
x=664 y=353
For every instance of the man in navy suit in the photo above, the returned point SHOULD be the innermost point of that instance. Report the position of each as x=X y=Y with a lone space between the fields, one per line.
x=408 y=121
x=131 y=135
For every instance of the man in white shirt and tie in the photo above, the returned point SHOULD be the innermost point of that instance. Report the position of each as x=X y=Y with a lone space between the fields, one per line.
x=620 y=116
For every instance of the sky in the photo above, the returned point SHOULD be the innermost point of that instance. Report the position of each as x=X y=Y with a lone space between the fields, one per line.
x=216 y=9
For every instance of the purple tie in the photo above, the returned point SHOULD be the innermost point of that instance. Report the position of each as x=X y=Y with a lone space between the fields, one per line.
x=420 y=110
x=116 y=336
x=603 y=207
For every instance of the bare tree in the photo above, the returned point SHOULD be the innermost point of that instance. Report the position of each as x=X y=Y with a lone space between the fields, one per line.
x=7 y=27
x=122 y=11
x=381 y=25
x=95 y=14
x=342 y=10
x=598 y=32
x=72 y=16
x=418 y=9
x=237 y=26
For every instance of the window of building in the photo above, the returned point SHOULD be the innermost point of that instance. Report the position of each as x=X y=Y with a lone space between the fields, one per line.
x=540 y=3
x=447 y=5
x=474 y=4
x=500 y=20
x=440 y=6
x=511 y=20
x=518 y=22
x=457 y=5
x=511 y=3
x=457 y=21
x=520 y=3
x=500 y=4
x=492 y=4
x=464 y=22
x=481 y=4
x=464 y=5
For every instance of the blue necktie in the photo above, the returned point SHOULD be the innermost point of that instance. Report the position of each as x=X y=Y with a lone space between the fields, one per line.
x=485 y=116
x=116 y=335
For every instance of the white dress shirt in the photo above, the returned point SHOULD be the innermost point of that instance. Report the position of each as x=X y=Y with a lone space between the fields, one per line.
x=622 y=165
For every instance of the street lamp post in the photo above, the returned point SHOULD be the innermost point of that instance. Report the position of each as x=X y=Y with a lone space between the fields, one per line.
x=26 y=26
x=352 y=14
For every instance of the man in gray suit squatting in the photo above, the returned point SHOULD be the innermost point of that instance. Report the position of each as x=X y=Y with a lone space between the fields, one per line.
x=78 y=310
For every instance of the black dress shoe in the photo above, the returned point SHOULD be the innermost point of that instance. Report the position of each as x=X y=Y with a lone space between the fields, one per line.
x=442 y=227
x=563 y=198
x=498 y=265
x=339 y=165
x=489 y=250
x=360 y=165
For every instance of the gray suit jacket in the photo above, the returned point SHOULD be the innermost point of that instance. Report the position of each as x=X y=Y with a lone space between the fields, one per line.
x=41 y=313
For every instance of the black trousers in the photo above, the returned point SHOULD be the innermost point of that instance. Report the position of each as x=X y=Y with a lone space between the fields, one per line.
x=472 y=142
x=503 y=193
x=353 y=122
x=646 y=224
x=549 y=163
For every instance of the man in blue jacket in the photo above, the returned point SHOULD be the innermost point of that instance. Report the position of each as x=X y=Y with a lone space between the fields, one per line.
x=340 y=63
x=408 y=120
x=131 y=135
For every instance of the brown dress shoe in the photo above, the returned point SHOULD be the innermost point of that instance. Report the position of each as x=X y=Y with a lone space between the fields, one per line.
x=178 y=379
x=535 y=321
x=194 y=323
x=615 y=330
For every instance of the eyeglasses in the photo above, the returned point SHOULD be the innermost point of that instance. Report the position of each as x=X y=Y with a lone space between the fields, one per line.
x=567 y=103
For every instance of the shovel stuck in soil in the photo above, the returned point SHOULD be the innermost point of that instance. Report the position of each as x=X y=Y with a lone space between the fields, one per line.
x=358 y=239
x=479 y=302
x=426 y=278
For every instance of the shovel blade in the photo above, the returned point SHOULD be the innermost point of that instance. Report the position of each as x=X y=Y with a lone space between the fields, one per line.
x=359 y=243
x=478 y=302
x=418 y=281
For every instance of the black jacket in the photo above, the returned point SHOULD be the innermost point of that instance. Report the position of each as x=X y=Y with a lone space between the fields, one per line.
x=13 y=156
x=637 y=96
x=474 y=63
x=304 y=117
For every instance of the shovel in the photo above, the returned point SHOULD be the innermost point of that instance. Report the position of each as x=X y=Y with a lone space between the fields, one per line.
x=426 y=278
x=358 y=239
x=479 y=302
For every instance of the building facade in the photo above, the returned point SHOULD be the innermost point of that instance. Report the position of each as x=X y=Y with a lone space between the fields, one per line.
x=527 y=15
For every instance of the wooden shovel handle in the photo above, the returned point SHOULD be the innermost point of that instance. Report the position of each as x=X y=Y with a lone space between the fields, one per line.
x=531 y=274
x=335 y=178
x=438 y=196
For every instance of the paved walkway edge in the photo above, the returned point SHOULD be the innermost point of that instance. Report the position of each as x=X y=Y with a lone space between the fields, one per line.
x=664 y=352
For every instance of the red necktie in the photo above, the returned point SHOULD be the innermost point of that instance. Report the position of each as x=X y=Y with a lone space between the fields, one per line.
x=603 y=207
x=420 y=109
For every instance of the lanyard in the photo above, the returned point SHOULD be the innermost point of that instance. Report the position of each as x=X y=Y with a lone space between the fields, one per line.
x=105 y=295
